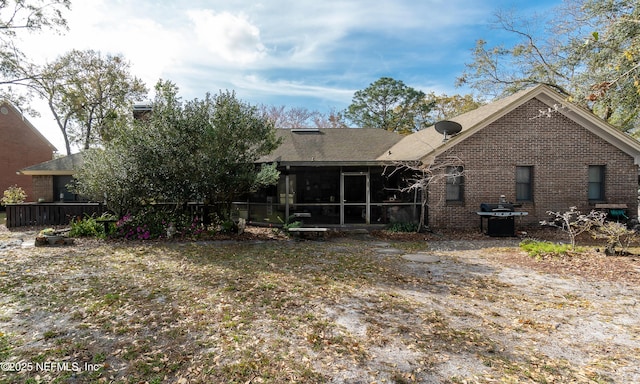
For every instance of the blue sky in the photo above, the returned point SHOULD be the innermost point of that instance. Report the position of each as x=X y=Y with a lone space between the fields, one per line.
x=303 y=53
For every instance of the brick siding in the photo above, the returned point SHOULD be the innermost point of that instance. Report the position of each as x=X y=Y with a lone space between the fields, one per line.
x=21 y=147
x=43 y=188
x=560 y=152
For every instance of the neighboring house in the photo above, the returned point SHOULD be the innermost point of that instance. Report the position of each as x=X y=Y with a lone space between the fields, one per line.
x=22 y=145
x=50 y=179
x=538 y=151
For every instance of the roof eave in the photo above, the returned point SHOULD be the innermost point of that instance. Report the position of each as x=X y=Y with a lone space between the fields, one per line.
x=350 y=163
x=40 y=172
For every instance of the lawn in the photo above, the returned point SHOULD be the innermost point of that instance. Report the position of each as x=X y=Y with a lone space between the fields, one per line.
x=342 y=310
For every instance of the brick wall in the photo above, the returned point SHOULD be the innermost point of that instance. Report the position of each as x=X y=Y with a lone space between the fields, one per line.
x=21 y=147
x=560 y=152
x=43 y=188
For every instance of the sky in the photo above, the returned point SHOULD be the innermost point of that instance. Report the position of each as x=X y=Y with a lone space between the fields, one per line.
x=298 y=53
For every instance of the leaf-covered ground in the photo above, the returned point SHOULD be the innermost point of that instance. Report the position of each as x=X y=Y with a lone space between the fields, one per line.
x=344 y=310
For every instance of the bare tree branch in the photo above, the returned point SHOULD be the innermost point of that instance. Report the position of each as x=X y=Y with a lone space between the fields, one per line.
x=419 y=176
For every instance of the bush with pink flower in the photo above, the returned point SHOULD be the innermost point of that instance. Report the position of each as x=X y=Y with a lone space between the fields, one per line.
x=152 y=223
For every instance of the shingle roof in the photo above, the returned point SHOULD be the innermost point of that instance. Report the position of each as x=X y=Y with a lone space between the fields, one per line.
x=65 y=165
x=332 y=145
x=335 y=145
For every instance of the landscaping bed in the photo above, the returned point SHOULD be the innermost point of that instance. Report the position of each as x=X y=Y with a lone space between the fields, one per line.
x=386 y=308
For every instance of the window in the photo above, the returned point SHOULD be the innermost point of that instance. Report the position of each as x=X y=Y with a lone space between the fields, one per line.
x=524 y=183
x=455 y=184
x=596 y=182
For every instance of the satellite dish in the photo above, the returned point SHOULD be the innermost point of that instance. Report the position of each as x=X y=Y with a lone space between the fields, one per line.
x=448 y=128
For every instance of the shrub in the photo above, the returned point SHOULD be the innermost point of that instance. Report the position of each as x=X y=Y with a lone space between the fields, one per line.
x=403 y=227
x=88 y=226
x=151 y=223
x=574 y=223
x=228 y=226
x=290 y=224
x=13 y=195
x=47 y=232
x=539 y=249
x=617 y=235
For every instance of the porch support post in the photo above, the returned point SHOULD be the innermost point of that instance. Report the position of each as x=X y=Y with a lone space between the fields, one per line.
x=286 y=199
x=368 y=197
x=341 y=197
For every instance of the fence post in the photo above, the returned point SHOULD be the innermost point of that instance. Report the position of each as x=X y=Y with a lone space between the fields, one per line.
x=10 y=211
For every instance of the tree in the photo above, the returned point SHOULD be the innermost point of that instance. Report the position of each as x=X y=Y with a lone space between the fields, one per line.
x=110 y=175
x=501 y=70
x=609 y=50
x=236 y=137
x=89 y=95
x=445 y=107
x=292 y=117
x=590 y=53
x=29 y=16
x=332 y=119
x=301 y=117
x=419 y=175
x=201 y=150
x=388 y=104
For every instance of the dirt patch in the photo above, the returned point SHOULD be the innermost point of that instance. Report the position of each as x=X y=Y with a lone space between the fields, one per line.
x=342 y=310
x=577 y=321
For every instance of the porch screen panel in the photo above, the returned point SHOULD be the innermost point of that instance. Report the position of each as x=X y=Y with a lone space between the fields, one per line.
x=355 y=189
x=317 y=195
x=386 y=189
x=318 y=185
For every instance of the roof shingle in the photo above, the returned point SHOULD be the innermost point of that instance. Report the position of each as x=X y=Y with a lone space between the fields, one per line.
x=332 y=145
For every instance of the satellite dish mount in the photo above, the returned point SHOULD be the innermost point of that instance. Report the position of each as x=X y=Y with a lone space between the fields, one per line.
x=447 y=128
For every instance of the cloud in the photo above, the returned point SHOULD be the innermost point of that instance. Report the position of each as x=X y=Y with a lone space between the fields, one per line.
x=229 y=36
x=295 y=52
x=292 y=88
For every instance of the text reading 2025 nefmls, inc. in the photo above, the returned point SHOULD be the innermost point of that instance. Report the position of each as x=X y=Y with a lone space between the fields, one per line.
x=48 y=366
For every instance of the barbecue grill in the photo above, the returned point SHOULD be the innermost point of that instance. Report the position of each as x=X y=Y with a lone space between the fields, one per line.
x=500 y=218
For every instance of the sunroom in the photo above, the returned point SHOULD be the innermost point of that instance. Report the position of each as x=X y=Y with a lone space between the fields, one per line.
x=330 y=177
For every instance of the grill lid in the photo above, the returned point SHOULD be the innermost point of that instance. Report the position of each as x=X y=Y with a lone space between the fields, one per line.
x=504 y=207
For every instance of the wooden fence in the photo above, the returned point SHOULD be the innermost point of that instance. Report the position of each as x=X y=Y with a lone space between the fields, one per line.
x=43 y=214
